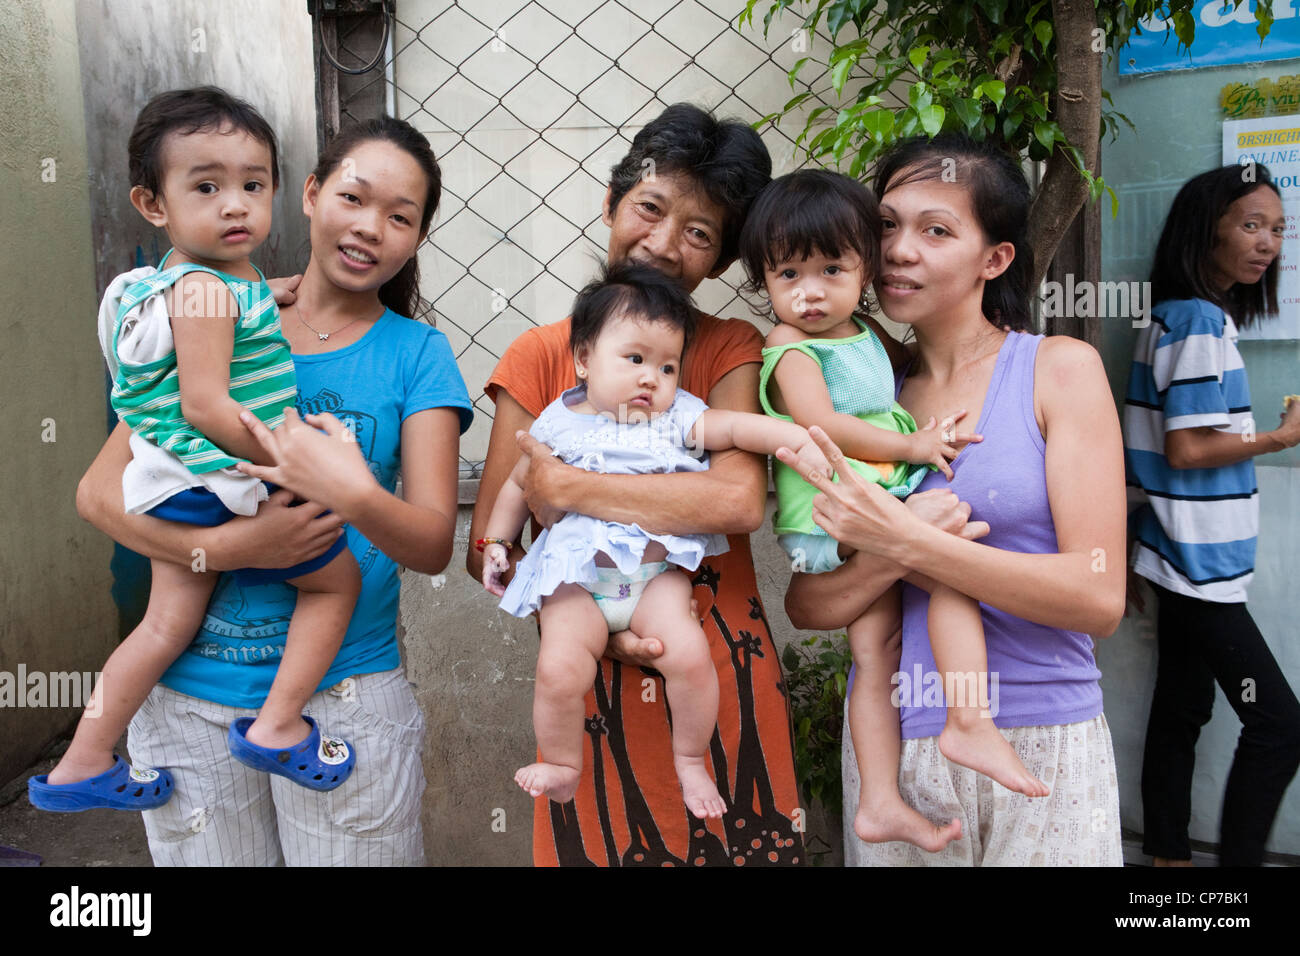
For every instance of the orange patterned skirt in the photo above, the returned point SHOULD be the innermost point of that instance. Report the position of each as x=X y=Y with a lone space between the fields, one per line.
x=628 y=810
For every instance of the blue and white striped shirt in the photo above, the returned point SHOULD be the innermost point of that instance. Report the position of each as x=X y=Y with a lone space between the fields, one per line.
x=1195 y=527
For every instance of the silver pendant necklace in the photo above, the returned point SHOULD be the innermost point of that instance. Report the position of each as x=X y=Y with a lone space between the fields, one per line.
x=323 y=336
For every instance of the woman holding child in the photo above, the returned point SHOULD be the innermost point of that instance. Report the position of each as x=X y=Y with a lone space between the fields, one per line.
x=628 y=810
x=386 y=391
x=1047 y=479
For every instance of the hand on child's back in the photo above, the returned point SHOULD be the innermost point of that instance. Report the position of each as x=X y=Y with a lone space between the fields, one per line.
x=285 y=289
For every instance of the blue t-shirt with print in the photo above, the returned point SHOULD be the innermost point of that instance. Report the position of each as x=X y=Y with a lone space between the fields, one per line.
x=399 y=367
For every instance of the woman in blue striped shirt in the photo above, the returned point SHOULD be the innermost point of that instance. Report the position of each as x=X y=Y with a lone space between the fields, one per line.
x=1190 y=442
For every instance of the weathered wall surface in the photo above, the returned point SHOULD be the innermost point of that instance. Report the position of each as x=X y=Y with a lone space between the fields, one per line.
x=131 y=50
x=55 y=612
x=77 y=75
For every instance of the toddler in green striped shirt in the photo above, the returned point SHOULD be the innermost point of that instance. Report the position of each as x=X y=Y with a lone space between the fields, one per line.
x=191 y=346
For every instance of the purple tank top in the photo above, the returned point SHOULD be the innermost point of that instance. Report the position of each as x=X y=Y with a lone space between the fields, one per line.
x=1037 y=675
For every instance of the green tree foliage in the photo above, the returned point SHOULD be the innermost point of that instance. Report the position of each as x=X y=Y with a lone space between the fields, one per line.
x=1014 y=71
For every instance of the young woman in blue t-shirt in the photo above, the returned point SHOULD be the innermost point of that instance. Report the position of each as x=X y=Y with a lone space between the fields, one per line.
x=387 y=393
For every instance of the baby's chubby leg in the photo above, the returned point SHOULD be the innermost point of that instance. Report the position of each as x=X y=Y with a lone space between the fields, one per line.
x=691 y=683
x=882 y=815
x=574 y=634
x=969 y=736
x=177 y=599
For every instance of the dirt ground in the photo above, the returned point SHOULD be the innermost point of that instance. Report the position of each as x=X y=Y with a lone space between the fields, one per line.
x=90 y=838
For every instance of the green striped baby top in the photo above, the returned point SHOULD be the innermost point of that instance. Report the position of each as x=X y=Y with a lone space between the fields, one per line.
x=147 y=396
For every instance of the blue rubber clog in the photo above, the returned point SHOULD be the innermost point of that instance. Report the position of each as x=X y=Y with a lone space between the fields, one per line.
x=120 y=788
x=320 y=762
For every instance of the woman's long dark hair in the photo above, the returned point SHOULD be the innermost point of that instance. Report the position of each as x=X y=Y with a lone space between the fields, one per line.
x=999 y=197
x=1180 y=269
x=401 y=293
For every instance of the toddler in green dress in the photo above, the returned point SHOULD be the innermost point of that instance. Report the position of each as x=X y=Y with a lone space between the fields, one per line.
x=812 y=243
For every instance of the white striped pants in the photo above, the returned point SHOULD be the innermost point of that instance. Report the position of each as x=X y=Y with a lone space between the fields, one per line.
x=226 y=814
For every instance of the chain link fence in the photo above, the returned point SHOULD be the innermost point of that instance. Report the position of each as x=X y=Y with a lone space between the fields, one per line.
x=528 y=106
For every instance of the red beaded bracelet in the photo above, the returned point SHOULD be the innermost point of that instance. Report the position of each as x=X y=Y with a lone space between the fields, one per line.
x=482 y=543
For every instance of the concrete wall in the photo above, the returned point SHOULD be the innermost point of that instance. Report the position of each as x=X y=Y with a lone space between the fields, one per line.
x=1146 y=169
x=131 y=50
x=55 y=610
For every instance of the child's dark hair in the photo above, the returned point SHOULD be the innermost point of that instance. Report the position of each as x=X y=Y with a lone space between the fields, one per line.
x=401 y=293
x=1188 y=239
x=725 y=159
x=808 y=212
x=186 y=112
x=635 y=290
x=999 y=197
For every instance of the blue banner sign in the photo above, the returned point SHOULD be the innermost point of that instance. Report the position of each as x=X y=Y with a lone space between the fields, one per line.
x=1224 y=35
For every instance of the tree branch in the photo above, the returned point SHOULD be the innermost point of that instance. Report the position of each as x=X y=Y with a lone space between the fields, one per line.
x=1078 y=112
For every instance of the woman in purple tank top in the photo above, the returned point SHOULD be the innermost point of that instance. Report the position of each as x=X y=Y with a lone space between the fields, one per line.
x=1044 y=492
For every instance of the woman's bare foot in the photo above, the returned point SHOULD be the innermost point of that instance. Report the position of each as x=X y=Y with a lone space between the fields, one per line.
x=1161 y=861
x=893 y=820
x=275 y=736
x=74 y=771
x=698 y=789
x=980 y=747
x=552 y=780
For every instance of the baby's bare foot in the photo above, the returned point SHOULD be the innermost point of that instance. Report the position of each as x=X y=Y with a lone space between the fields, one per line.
x=698 y=789
x=980 y=747
x=552 y=780
x=892 y=820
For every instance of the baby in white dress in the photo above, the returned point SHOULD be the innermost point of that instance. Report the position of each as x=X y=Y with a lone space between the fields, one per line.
x=589 y=578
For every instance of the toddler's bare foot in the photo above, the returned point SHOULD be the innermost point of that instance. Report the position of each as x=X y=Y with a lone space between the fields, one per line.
x=553 y=780
x=980 y=747
x=274 y=736
x=75 y=771
x=698 y=789
x=891 y=820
